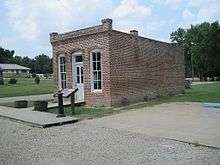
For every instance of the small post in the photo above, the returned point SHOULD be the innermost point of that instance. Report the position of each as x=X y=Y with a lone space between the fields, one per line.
x=60 y=104
x=73 y=103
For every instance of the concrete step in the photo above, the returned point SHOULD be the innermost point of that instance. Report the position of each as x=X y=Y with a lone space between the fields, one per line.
x=35 y=118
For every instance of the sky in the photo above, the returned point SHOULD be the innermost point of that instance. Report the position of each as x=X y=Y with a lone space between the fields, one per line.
x=25 y=24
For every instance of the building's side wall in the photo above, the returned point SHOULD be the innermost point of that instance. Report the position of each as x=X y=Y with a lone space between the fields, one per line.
x=143 y=69
x=85 y=44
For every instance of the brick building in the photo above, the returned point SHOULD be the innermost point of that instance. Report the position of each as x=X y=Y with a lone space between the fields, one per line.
x=110 y=67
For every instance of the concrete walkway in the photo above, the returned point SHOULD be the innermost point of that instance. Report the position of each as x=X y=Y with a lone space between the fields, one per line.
x=188 y=122
x=29 y=98
x=34 y=118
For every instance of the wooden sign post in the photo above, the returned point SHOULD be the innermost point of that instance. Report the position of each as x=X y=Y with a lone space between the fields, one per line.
x=66 y=93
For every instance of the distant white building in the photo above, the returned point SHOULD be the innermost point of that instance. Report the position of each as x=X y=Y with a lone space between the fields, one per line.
x=10 y=70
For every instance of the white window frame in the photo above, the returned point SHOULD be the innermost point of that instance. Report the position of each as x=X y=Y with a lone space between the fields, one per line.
x=91 y=71
x=60 y=81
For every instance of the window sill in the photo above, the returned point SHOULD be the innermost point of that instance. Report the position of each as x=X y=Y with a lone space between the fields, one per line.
x=97 y=91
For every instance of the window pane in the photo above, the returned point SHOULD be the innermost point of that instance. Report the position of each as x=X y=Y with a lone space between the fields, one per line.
x=99 y=75
x=95 y=84
x=81 y=70
x=95 y=75
x=98 y=66
x=78 y=79
x=94 y=65
x=99 y=85
x=93 y=56
x=62 y=84
x=62 y=60
x=62 y=76
x=77 y=70
x=81 y=78
x=98 y=56
x=78 y=59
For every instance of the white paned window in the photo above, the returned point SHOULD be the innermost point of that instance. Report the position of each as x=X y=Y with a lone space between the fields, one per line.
x=96 y=71
x=62 y=70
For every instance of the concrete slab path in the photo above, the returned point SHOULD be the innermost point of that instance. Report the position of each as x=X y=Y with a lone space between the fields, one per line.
x=29 y=98
x=188 y=122
x=34 y=118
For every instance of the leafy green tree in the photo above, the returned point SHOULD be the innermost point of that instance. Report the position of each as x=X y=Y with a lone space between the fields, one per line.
x=202 y=48
x=43 y=64
x=181 y=38
x=6 y=55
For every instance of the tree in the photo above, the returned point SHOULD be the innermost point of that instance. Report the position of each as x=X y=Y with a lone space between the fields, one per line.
x=6 y=55
x=43 y=64
x=202 y=44
x=181 y=38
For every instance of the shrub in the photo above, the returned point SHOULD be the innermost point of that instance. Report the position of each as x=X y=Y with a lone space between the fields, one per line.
x=34 y=75
x=124 y=101
x=37 y=80
x=12 y=81
x=187 y=84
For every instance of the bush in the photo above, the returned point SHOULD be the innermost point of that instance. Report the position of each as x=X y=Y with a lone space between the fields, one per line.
x=187 y=84
x=37 y=79
x=12 y=81
x=34 y=75
x=124 y=101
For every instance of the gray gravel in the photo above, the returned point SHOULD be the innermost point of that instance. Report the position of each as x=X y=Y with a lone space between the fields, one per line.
x=81 y=143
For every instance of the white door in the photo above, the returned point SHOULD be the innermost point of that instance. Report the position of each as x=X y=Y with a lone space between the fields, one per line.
x=78 y=78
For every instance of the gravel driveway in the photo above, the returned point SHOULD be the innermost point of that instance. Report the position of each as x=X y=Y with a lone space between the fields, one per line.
x=81 y=143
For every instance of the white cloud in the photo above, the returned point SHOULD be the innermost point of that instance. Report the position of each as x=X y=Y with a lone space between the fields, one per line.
x=209 y=12
x=188 y=15
x=130 y=14
x=198 y=3
x=131 y=9
x=173 y=4
x=25 y=25
x=29 y=18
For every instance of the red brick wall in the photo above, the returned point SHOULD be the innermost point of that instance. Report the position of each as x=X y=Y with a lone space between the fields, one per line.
x=133 y=68
x=85 y=44
x=143 y=68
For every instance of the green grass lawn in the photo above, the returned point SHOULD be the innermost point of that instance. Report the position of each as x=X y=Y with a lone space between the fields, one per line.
x=197 y=93
x=83 y=112
x=26 y=86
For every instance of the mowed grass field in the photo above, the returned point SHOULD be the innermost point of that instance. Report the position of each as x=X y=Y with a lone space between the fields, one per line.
x=26 y=86
x=197 y=93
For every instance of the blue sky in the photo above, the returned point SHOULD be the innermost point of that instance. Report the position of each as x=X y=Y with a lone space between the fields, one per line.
x=25 y=24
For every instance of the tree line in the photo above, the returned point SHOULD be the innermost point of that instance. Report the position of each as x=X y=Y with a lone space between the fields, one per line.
x=201 y=45
x=41 y=64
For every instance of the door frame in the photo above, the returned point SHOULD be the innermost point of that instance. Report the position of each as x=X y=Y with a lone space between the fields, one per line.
x=79 y=53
